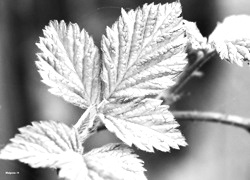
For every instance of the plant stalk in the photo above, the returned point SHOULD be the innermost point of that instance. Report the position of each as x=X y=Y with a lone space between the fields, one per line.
x=172 y=94
x=215 y=117
x=187 y=74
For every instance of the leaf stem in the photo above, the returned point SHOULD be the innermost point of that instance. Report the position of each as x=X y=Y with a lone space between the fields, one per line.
x=215 y=117
x=172 y=94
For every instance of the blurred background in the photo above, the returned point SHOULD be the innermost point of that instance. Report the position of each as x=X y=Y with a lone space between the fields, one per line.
x=215 y=151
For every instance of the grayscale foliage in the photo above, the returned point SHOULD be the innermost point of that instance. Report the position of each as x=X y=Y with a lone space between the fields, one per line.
x=144 y=123
x=231 y=39
x=114 y=162
x=69 y=63
x=55 y=145
x=47 y=144
x=143 y=52
x=42 y=138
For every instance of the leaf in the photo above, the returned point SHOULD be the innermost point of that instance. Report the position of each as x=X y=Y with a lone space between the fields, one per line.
x=143 y=52
x=114 y=162
x=69 y=63
x=48 y=144
x=195 y=39
x=55 y=145
x=231 y=39
x=41 y=144
x=72 y=166
x=145 y=123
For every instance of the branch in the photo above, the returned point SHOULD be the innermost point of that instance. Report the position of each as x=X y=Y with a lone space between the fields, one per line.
x=227 y=119
x=215 y=117
x=186 y=76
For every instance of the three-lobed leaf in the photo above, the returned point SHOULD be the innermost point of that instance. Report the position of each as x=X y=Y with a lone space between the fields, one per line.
x=69 y=64
x=143 y=52
x=231 y=39
x=145 y=123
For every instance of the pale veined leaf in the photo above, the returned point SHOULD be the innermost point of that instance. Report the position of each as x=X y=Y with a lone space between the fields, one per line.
x=48 y=144
x=143 y=52
x=231 y=39
x=114 y=162
x=55 y=145
x=69 y=63
x=145 y=123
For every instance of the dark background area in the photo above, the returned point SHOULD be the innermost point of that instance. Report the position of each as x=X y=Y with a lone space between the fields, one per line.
x=215 y=151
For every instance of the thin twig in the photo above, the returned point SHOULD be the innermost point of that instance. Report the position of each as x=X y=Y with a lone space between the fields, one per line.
x=172 y=94
x=215 y=117
x=187 y=74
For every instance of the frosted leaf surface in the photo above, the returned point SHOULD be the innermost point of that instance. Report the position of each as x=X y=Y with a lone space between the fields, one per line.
x=144 y=51
x=147 y=124
x=114 y=162
x=69 y=63
x=48 y=144
x=55 y=145
x=231 y=39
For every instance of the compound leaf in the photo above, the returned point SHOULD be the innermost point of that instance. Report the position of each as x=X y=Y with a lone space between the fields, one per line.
x=69 y=63
x=144 y=51
x=145 y=123
x=114 y=162
x=231 y=39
